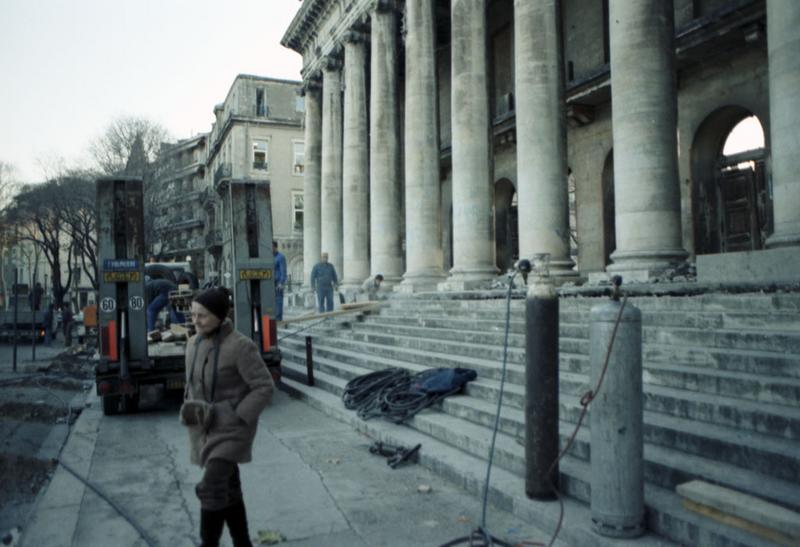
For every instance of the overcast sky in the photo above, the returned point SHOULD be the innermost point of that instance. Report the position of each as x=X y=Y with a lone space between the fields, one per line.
x=68 y=67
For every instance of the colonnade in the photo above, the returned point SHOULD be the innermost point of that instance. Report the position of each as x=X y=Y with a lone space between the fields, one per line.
x=357 y=175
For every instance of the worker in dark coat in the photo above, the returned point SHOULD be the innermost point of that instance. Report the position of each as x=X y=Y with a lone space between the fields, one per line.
x=323 y=281
x=227 y=387
x=157 y=295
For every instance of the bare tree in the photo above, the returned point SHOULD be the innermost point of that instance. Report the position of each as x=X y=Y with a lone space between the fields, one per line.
x=78 y=196
x=132 y=145
x=37 y=214
x=8 y=187
x=111 y=150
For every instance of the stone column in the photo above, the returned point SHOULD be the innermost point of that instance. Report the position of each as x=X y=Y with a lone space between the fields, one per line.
x=384 y=148
x=541 y=135
x=423 y=193
x=331 y=200
x=355 y=164
x=311 y=180
x=473 y=241
x=783 y=43
x=644 y=120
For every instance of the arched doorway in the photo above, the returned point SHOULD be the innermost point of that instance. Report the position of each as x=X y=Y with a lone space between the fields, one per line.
x=609 y=220
x=506 y=226
x=731 y=202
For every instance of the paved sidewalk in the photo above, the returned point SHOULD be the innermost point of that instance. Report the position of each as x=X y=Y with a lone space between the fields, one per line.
x=312 y=478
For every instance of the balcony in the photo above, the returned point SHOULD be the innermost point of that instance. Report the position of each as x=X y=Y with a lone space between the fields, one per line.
x=208 y=198
x=222 y=174
x=213 y=240
x=186 y=224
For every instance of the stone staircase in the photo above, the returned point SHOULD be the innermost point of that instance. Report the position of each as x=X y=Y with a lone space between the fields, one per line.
x=721 y=399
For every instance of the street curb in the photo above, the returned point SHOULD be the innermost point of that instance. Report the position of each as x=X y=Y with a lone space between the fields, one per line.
x=55 y=516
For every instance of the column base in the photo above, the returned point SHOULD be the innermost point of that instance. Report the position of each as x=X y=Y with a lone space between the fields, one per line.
x=561 y=270
x=304 y=298
x=783 y=240
x=419 y=282
x=641 y=266
x=469 y=279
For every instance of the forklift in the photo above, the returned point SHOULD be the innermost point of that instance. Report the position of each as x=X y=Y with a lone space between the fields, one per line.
x=126 y=360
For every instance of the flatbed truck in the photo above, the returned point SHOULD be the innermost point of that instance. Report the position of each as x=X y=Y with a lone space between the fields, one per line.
x=127 y=362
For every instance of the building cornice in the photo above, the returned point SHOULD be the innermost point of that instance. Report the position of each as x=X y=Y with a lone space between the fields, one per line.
x=302 y=34
x=233 y=120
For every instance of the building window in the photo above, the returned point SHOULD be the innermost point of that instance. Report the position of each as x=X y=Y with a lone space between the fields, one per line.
x=260 y=155
x=298 y=165
x=261 y=103
x=300 y=104
x=297 y=212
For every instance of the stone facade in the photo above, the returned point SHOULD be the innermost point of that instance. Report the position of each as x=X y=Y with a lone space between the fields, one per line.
x=257 y=136
x=480 y=111
x=179 y=219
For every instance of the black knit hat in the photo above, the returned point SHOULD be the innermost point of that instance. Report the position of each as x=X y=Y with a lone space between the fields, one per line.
x=216 y=300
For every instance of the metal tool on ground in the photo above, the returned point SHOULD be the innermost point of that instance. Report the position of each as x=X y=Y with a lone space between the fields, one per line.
x=397 y=455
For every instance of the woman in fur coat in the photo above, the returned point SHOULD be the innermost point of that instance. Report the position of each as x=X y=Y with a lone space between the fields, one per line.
x=227 y=387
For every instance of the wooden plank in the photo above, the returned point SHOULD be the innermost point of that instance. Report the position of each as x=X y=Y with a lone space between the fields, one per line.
x=350 y=309
x=742 y=524
x=742 y=510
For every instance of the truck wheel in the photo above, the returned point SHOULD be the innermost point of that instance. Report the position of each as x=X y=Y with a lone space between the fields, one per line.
x=130 y=403
x=111 y=405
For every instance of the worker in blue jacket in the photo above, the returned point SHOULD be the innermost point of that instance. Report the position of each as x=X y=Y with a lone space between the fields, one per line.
x=323 y=281
x=280 y=280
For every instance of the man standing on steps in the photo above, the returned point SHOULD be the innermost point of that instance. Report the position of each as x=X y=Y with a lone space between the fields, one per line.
x=323 y=281
x=280 y=280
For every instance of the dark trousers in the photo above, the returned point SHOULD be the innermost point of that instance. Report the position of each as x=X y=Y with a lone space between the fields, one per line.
x=220 y=487
x=325 y=299
x=220 y=493
x=278 y=304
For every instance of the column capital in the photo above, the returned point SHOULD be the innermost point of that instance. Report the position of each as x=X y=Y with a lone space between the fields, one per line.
x=333 y=60
x=354 y=36
x=384 y=6
x=312 y=84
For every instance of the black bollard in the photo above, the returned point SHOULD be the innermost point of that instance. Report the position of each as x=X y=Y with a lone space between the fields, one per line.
x=541 y=390
x=309 y=361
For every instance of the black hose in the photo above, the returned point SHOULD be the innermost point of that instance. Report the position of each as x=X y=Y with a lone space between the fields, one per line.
x=393 y=394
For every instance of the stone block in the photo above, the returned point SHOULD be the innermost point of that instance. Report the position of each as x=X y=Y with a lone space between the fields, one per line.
x=781 y=265
x=743 y=511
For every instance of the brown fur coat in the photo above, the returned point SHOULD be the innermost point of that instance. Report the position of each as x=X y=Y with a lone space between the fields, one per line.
x=243 y=389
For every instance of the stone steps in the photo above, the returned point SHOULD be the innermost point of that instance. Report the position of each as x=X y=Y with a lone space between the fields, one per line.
x=665 y=515
x=752 y=303
x=667 y=396
x=778 y=343
x=721 y=390
x=752 y=375
x=772 y=456
x=493 y=319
